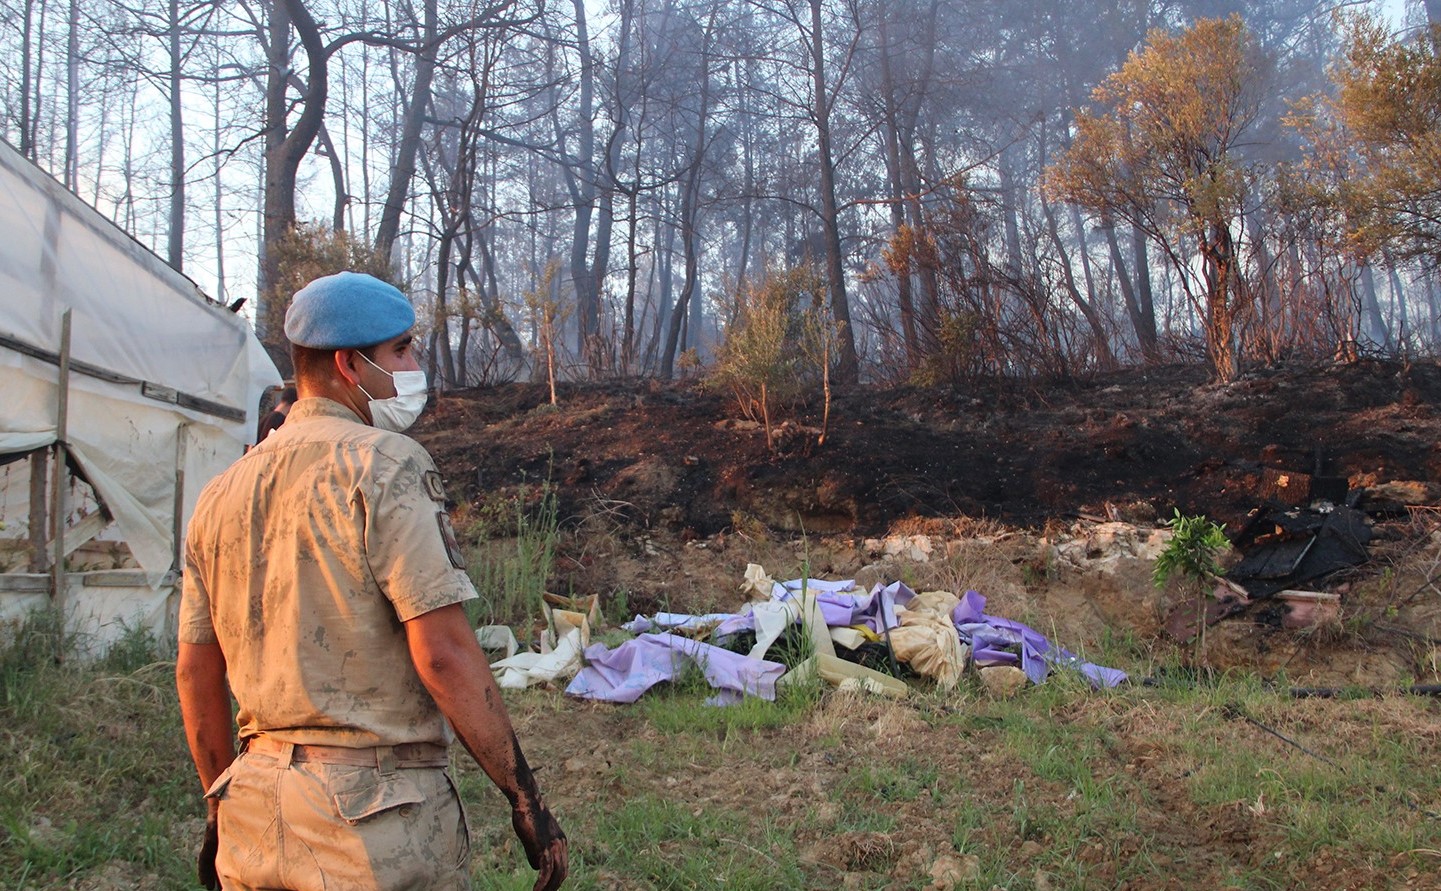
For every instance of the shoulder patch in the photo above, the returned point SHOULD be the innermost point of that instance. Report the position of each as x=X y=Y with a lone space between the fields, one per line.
x=452 y=544
x=433 y=486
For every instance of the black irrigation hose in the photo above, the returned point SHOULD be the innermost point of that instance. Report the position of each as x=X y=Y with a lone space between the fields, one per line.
x=1234 y=711
x=1336 y=692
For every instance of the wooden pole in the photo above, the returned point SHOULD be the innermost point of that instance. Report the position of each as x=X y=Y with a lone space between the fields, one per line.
x=182 y=439
x=57 y=476
x=39 y=521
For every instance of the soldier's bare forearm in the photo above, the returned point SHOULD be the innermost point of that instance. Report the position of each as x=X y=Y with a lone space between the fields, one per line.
x=200 y=681
x=455 y=671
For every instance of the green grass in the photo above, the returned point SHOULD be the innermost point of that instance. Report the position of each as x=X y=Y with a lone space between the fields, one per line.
x=902 y=780
x=680 y=707
x=511 y=573
x=96 y=769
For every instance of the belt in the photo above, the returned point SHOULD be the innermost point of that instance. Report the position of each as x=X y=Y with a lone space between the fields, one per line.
x=405 y=755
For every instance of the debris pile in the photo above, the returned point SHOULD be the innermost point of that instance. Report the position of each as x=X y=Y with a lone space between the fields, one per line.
x=1308 y=527
x=1285 y=547
x=807 y=627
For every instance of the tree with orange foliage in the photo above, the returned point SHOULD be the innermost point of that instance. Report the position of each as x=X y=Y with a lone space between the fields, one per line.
x=1159 y=149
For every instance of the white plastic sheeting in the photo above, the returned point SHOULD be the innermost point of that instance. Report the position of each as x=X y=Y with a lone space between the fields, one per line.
x=164 y=383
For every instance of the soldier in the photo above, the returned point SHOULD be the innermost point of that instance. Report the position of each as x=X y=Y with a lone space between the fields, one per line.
x=272 y=421
x=323 y=588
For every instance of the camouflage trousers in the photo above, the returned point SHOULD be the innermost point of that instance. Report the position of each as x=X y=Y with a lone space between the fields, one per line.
x=292 y=818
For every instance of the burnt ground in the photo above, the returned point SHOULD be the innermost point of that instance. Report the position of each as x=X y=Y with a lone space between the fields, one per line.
x=680 y=458
x=667 y=493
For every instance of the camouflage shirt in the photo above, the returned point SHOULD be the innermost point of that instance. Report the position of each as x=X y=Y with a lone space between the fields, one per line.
x=303 y=559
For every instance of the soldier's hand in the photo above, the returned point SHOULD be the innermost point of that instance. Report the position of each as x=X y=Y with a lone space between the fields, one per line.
x=545 y=845
x=205 y=863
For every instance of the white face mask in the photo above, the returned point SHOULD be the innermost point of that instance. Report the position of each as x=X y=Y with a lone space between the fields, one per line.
x=397 y=413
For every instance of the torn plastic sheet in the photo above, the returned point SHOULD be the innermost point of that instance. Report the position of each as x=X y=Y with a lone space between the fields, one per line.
x=497 y=637
x=993 y=641
x=663 y=621
x=567 y=635
x=841 y=604
x=521 y=670
x=626 y=672
x=770 y=621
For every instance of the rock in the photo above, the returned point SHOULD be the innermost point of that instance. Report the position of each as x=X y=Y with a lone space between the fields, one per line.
x=1412 y=493
x=1003 y=681
x=952 y=870
x=916 y=548
x=1102 y=546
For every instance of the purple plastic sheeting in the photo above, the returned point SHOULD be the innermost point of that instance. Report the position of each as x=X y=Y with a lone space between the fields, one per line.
x=994 y=639
x=839 y=602
x=623 y=674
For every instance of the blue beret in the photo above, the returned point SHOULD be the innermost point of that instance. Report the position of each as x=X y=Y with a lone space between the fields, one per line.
x=348 y=309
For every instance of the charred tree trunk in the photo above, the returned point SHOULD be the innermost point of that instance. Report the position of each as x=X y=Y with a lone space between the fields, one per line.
x=1145 y=294
x=689 y=224
x=847 y=363
x=690 y=247
x=1218 y=259
x=1104 y=357
x=495 y=318
x=1142 y=325
x=905 y=301
x=285 y=150
x=414 y=116
x=1374 y=327
x=583 y=190
x=175 y=246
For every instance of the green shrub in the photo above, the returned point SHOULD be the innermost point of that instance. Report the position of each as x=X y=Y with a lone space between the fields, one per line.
x=778 y=347
x=1196 y=543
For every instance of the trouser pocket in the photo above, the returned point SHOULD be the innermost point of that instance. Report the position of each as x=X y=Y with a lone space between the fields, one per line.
x=463 y=830
x=390 y=791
